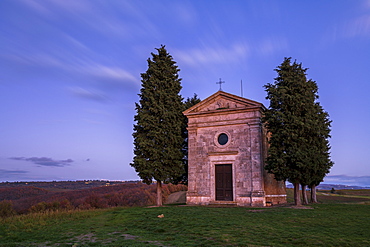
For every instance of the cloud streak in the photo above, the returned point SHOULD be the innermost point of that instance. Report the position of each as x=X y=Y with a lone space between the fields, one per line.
x=212 y=55
x=88 y=94
x=9 y=175
x=44 y=161
x=99 y=16
x=348 y=180
x=12 y=172
x=74 y=64
x=272 y=45
x=358 y=27
x=101 y=80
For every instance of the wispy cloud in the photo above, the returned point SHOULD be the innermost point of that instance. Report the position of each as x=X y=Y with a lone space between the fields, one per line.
x=44 y=161
x=348 y=180
x=212 y=55
x=38 y=6
x=272 y=45
x=72 y=55
x=49 y=7
x=360 y=25
x=72 y=6
x=100 y=79
x=9 y=175
x=185 y=13
x=12 y=172
x=113 y=73
x=76 y=43
x=88 y=94
x=235 y=53
x=99 y=16
x=34 y=60
x=74 y=64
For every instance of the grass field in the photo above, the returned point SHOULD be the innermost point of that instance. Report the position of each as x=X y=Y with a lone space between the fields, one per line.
x=343 y=222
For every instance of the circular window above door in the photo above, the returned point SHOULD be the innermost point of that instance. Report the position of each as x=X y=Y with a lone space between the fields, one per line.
x=222 y=139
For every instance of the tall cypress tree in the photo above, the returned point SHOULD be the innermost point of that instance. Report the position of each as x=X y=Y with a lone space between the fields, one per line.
x=298 y=127
x=158 y=130
x=321 y=162
x=317 y=145
x=189 y=102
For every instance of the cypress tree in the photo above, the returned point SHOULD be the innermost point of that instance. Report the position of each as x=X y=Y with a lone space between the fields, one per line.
x=321 y=163
x=157 y=133
x=299 y=129
x=189 y=102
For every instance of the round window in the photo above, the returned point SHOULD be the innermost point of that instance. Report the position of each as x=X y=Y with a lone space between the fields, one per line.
x=223 y=139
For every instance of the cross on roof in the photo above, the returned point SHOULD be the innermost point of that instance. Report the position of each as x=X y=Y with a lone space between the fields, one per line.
x=220 y=82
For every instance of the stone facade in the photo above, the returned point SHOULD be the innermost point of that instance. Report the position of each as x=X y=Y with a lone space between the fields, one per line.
x=225 y=131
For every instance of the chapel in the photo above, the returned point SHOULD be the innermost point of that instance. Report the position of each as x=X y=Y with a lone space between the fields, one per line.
x=227 y=148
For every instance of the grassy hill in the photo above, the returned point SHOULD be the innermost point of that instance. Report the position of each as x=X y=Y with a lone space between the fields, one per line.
x=343 y=222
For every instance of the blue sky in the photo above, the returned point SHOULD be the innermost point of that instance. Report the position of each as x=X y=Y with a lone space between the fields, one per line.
x=70 y=74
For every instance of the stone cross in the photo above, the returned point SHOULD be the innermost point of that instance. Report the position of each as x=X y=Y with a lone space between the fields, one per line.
x=220 y=82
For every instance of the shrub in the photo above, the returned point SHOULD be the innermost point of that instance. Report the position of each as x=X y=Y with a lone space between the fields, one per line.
x=6 y=209
x=51 y=206
x=95 y=201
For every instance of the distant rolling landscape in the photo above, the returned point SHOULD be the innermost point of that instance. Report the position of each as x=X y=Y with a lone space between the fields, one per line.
x=114 y=213
x=26 y=197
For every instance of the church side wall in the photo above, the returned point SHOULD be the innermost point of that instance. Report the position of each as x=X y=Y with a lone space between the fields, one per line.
x=198 y=170
x=275 y=190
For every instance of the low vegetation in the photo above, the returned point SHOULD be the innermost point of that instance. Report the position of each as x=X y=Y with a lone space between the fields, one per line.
x=25 y=199
x=330 y=223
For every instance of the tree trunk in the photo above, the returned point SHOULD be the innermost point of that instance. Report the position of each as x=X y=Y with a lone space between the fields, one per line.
x=159 y=193
x=313 y=194
x=304 y=194
x=297 y=197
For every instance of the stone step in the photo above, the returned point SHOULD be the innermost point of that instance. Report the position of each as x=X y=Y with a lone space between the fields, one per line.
x=222 y=204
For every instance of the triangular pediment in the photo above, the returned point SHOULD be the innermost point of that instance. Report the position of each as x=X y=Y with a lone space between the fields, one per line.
x=222 y=101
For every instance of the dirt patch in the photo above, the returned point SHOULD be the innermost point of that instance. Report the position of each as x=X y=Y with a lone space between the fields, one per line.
x=89 y=238
x=133 y=237
x=129 y=236
x=301 y=207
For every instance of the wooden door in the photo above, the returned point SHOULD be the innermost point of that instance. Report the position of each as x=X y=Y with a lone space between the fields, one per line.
x=224 y=183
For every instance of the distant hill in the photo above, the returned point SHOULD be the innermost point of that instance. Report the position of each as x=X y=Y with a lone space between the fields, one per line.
x=65 y=185
x=41 y=196
x=335 y=186
x=88 y=184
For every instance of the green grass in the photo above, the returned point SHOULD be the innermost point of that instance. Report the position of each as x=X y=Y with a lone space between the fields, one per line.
x=329 y=224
